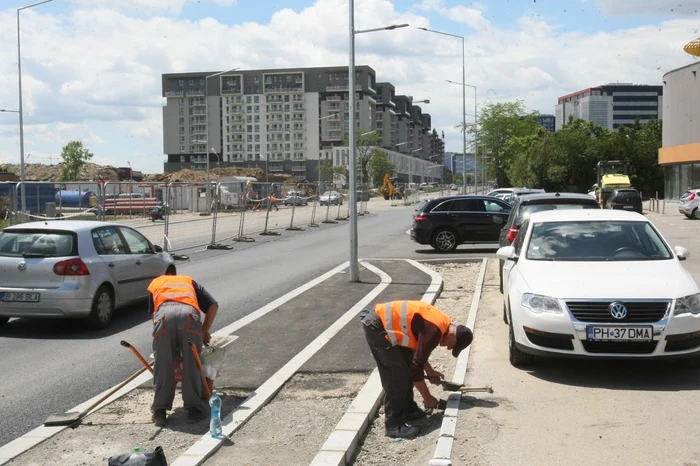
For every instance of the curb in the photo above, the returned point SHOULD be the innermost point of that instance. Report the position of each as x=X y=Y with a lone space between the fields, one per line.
x=339 y=448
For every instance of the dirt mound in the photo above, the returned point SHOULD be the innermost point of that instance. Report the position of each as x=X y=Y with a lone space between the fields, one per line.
x=41 y=172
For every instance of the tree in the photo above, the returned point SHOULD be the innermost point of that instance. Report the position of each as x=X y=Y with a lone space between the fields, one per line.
x=342 y=172
x=326 y=171
x=74 y=156
x=365 y=148
x=379 y=165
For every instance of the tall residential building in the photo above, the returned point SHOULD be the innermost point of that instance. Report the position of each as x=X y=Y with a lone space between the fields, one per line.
x=285 y=117
x=546 y=121
x=611 y=105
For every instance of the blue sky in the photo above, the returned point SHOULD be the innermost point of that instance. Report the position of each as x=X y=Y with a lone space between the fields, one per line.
x=91 y=68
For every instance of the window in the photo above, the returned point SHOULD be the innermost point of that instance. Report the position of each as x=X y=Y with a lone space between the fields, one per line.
x=257 y=128
x=182 y=121
x=107 y=241
x=182 y=111
x=494 y=207
x=249 y=99
x=136 y=242
x=181 y=82
x=182 y=102
x=201 y=82
x=182 y=148
x=466 y=205
x=191 y=82
x=42 y=243
x=182 y=139
x=444 y=207
x=256 y=98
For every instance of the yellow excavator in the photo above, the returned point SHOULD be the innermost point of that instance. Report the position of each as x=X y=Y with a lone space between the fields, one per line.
x=389 y=190
x=611 y=174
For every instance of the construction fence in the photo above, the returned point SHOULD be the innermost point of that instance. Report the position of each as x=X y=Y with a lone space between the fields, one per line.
x=184 y=216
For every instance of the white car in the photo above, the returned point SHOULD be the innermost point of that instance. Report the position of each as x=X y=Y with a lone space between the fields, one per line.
x=501 y=191
x=597 y=283
x=75 y=269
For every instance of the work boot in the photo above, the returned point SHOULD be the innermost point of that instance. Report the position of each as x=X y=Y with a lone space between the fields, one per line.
x=401 y=432
x=158 y=417
x=194 y=415
x=414 y=415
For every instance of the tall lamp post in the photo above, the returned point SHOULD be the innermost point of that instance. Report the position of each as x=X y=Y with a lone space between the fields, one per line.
x=464 y=108
x=354 y=263
x=22 y=168
x=464 y=86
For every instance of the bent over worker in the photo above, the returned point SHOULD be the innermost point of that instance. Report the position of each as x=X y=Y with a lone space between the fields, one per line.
x=177 y=303
x=401 y=336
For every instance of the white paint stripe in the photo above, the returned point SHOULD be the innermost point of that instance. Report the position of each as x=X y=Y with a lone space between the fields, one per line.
x=443 y=449
x=369 y=398
x=32 y=438
x=206 y=446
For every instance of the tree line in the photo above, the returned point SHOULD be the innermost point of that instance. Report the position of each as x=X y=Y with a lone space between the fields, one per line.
x=523 y=153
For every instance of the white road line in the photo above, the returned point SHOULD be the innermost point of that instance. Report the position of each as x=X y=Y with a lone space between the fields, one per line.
x=339 y=447
x=443 y=449
x=34 y=437
x=206 y=445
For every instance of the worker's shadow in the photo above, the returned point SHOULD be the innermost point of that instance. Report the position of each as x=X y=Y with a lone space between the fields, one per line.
x=434 y=421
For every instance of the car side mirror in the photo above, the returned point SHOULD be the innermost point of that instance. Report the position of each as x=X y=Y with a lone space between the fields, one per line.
x=507 y=253
x=681 y=252
x=157 y=248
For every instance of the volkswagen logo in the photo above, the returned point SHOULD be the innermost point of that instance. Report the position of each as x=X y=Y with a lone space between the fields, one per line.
x=618 y=310
x=22 y=266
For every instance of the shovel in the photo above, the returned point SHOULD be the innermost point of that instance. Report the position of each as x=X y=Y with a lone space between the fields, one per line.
x=73 y=417
x=455 y=387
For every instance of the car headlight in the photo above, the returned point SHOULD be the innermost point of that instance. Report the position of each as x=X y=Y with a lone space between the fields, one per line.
x=538 y=303
x=688 y=305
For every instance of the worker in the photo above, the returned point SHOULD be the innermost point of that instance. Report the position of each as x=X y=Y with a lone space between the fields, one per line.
x=177 y=303
x=273 y=201
x=401 y=336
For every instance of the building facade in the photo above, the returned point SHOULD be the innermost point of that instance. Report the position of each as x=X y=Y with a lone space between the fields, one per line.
x=284 y=118
x=611 y=105
x=680 y=151
x=547 y=121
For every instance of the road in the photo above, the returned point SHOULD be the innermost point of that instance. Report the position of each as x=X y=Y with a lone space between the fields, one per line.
x=51 y=365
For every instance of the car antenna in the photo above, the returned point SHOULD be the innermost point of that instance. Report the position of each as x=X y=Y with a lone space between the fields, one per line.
x=557 y=194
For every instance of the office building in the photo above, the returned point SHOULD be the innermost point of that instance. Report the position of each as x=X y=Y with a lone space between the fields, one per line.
x=611 y=105
x=280 y=119
x=547 y=122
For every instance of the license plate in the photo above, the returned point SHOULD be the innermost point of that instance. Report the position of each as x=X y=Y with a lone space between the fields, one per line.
x=20 y=297
x=628 y=207
x=620 y=333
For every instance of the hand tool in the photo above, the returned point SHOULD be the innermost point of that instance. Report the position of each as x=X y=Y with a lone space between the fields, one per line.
x=455 y=387
x=205 y=385
x=137 y=354
x=73 y=417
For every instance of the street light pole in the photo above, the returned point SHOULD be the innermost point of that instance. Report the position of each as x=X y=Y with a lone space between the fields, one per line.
x=354 y=263
x=464 y=86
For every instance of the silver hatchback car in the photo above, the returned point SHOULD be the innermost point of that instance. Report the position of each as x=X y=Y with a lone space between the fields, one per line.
x=75 y=269
x=690 y=204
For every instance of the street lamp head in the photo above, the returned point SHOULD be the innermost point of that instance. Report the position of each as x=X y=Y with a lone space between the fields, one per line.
x=396 y=26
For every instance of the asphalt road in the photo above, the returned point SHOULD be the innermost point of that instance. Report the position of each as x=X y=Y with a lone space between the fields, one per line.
x=49 y=366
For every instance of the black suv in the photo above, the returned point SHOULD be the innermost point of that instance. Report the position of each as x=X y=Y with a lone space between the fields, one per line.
x=448 y=221
x=625 y=199
x=526 y=205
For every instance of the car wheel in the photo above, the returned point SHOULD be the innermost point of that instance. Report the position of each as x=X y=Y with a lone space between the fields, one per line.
x=3 y=320
x=102 y=309
x=171 y=270
x=517 y=357
x=444 y=240
x=696 y=214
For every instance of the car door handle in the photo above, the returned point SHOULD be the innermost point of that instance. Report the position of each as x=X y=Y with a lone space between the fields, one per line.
x=138 y=262
x=111 y=264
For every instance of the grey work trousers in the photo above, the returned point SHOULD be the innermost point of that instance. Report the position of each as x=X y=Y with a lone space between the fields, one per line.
x=173 y=325
x=393 y=363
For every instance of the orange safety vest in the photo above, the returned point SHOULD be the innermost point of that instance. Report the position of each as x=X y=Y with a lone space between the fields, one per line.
x=273 y=198
x=397 y=317
x=177 y=288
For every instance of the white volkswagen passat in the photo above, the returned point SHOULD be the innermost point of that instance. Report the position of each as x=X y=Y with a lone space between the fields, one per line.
x=597 y=283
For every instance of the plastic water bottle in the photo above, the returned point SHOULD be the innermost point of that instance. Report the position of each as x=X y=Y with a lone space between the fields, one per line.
x=215 y=423
x=137 y=458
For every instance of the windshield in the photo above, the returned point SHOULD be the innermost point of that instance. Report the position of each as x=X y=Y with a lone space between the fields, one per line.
x=37 y=243
x=527 y=209
x=595 y=241
x=686 y=195
x=627 y=195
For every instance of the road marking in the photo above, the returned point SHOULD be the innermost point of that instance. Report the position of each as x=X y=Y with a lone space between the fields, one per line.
x=206 y=445
x=34 y=437
x=340 y=445
x=443 y=449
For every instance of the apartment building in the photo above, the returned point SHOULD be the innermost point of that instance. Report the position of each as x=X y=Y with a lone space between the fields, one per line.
x=282 y=120
x=611 y=105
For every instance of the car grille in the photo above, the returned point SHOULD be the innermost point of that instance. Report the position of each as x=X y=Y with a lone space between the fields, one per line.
x=637 y=311
x=551 y=340
x=619 y=347
x=682 y=342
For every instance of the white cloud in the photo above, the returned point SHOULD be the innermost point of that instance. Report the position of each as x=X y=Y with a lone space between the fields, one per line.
x=140 y=7
x=649 y=7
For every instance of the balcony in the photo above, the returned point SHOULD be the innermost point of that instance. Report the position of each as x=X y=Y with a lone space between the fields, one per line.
x=335 y=128
x=274 y=129
x=299 y=128
x=198 y=112
x=194 y=92
x=334 y=107
x=334 y=137
x=275 y=109
x=298 y=98
x=276 y=168
x=174 y=93
x=342 y=87
x=299 y=139
x=198 y=121
x=237 y=129
x=236 y=109
x=333 y=98
x=298 y=118
x=229 y=91
x=281 y=88
x=298 y=108
x=200 y=130
x=298 y=168
x=371 y=99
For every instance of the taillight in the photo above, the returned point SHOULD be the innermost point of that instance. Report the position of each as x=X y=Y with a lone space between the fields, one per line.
x=691 y=197
x=512 y=233
x=420 y=218
x=71 y=267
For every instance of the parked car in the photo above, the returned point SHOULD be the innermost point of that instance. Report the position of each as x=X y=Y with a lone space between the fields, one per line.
x=446 y=222
x=526 y=205
x=453 y=187
x=296 y=198
x=331 y=197
x=504 y=196
x=625 y=199
x=523 y=192
x=500 y=191
x=599 y=284
x=690 y=201
x=71 y=268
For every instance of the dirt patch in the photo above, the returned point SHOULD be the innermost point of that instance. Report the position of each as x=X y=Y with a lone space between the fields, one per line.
x=293 y=427
x=459 y=283
x=119 y=427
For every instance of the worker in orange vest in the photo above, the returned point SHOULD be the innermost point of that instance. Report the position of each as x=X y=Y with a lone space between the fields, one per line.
x=401 y=336
x=273 y=201
x=177 y=303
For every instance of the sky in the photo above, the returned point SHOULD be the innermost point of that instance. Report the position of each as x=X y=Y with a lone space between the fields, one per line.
x=91 y=69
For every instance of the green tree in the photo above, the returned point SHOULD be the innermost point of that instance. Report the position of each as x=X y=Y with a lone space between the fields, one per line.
x=326 y=171
x=74 y=156
x=366 y=144
x=341 y=171
x=379 y=165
